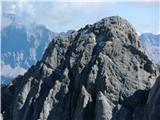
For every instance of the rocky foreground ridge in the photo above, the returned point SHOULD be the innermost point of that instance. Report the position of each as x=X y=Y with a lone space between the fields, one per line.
x=100 y=72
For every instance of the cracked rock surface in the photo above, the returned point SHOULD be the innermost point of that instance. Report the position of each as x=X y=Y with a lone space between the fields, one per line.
x=100 y=72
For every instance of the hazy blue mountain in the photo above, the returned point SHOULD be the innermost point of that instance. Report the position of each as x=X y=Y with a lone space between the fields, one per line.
x=152 y=44
x=22 y=45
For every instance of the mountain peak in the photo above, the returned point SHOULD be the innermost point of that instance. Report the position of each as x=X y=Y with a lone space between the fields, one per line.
x=89 y=74
x=114 y=27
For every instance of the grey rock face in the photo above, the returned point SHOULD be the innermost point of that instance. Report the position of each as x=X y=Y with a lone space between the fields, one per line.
x=152 y=107
x=142 y=105
x=91 y=74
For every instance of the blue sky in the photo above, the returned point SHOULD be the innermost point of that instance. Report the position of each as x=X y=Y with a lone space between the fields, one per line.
x=63 y=16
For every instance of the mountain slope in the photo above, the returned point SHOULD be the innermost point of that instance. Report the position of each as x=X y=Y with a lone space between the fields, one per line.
x=152 y=44
x=89 y=75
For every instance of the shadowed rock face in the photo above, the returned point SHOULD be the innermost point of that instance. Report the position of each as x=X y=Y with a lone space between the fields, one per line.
x=152 y=107
x=99 y=72
x=142 y=105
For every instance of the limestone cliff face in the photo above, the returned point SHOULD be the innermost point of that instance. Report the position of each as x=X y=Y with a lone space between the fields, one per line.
x=100 y=72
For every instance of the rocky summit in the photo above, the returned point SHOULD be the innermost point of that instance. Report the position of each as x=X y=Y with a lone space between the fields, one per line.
x=100 y=72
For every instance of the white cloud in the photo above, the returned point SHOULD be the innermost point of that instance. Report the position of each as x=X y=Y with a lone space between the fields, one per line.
x=64 y=16
x=9 y=72
x=13 y=6
x=61 y=15
x=147 y=31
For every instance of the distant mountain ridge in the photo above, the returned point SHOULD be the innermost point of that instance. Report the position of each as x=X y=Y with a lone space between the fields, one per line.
x=23 y=44
x=152 y=44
